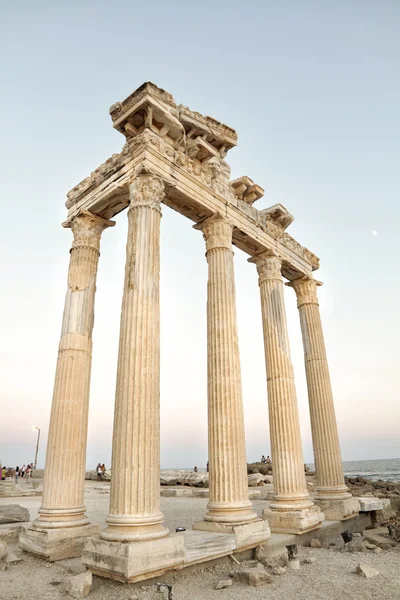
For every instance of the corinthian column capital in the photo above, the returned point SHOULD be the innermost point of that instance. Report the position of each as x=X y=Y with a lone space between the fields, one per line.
x=146 y=190
x=268 y=265
x=217 y=232
x=87 y=229
x=306 y=289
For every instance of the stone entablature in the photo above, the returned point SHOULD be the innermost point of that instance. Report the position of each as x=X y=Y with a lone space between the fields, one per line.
x=187 y=151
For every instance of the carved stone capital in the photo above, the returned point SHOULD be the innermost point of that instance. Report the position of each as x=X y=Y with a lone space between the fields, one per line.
x=217 y=232
x=269 y=266
x=146 y=190
x=87 y=229
x=306 y=290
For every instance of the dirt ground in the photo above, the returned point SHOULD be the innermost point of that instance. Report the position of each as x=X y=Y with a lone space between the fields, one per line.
x=331 y=577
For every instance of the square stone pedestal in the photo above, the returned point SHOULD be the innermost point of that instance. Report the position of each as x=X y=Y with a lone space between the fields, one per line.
x=134 y=561
x=56 y=544
x=246 y=534
x=339 y=510
x=294 y=521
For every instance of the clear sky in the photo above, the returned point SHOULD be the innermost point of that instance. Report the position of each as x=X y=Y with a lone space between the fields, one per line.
x=313 y=90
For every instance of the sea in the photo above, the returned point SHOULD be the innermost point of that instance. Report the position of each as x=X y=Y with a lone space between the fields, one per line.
x=387 y=469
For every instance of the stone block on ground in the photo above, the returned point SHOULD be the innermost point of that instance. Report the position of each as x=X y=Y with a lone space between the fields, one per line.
x=79 y=586
x=224 y=583
x=365 y=570
x=315 y=543
x=255 y=577
x=13 y=513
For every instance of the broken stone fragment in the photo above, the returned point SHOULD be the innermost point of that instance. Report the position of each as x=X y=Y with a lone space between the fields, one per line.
x=79 y=586
x=365 y=570
x=13 y=513
x=224 y=583
x=310 y=560
x=315 y=543
x=12 y=558
x=255 y=577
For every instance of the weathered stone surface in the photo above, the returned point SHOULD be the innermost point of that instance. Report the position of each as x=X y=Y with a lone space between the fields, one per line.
x=56 y=544
x=224 y=583
x=279 y=570
x=79 y=586
x=365 y=570
x=13 y=513
x=379 y=537
x=315 y=543
x=254 y=577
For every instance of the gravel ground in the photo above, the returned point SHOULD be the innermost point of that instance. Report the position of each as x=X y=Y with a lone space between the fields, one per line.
x=331 y=577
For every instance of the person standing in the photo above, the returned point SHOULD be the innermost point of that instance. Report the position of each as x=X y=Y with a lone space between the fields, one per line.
x=99 y=472
x=16 y=474
x=22 y=471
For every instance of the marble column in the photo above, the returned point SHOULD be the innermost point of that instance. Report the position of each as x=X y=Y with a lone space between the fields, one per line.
x=332 y=494
x=135 y=485
x=135 y=540
x=229 y=503
x=291 y=510
x=62 y=510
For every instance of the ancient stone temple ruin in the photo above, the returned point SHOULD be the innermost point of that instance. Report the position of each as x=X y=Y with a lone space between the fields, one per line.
x=176 y=157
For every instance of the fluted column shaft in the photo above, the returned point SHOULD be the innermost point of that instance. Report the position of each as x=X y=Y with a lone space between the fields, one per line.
x=64 y=475
x=328 y=462
x=286 y=448
x=229 y=502
x=135 y=485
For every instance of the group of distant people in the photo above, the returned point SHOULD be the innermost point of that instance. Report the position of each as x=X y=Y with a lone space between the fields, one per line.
x=100 y=470
x=267 y=460
x=24 y=471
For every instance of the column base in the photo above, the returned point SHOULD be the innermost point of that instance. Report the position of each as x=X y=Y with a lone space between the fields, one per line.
x=339 y=509
x=133 y=561
x=294 y=521
x=246 y=533
x=56 y=544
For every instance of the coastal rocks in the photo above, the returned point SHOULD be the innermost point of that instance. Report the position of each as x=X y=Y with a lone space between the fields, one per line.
x=180 y=477
x=259 y=467
x=13 y=513
x=92 y=475
x=256 y=479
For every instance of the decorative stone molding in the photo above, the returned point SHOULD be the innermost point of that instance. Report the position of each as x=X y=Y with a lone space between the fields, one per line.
x=306 y=290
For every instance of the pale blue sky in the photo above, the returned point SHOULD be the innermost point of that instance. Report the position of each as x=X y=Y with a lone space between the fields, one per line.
x=313 y=90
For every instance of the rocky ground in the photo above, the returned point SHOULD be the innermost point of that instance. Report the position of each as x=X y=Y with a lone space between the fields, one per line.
x=327 y=573
x=359 y=486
